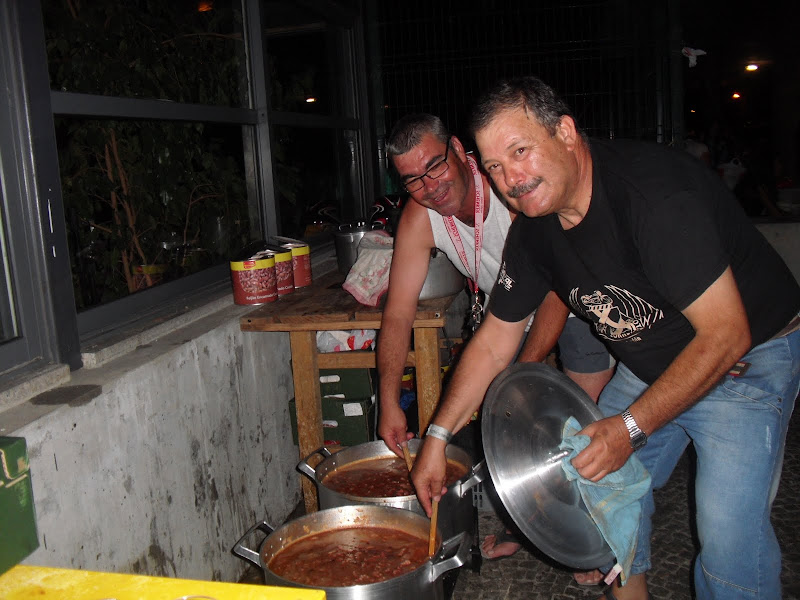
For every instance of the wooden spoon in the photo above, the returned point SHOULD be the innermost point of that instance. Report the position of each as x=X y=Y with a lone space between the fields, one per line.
x=432 y=533
x=434 y=508
x=407 y=455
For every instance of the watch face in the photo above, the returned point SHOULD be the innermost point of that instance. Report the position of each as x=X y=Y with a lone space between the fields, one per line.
x=638 y=440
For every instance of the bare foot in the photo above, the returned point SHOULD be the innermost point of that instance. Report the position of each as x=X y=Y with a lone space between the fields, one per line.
x=588 y=577
x=499 y=545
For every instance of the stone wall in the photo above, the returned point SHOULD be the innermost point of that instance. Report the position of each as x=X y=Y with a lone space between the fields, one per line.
x=187 y=445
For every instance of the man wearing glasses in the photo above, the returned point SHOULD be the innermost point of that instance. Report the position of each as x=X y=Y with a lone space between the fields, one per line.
x=456 y=210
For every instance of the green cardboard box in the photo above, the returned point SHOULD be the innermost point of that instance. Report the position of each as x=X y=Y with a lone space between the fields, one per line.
x=17 y=517
x=345 y=421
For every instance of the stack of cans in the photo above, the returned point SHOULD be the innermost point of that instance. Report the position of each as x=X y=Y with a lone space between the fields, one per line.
x=267 y=270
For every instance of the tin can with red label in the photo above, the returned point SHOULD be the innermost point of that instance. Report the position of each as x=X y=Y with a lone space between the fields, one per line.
x=283 y=269
x=254 y=279
x=301 y=259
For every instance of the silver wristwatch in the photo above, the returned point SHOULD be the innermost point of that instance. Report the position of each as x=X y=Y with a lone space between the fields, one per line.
x=638 y=437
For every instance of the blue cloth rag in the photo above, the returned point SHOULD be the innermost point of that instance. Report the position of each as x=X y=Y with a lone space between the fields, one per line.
x=613 y=502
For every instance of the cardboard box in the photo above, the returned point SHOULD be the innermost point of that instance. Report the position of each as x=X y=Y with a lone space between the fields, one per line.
x=345 y=421
x=17 y=516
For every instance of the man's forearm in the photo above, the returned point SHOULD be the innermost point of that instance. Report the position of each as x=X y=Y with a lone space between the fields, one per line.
x=693 y=372
x=722 y=336
x=394 y=340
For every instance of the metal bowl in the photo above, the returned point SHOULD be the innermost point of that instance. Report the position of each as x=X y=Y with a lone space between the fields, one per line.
x=523 y=416
x=443 y=278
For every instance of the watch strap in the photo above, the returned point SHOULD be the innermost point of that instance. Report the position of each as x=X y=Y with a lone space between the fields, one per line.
x=638 y=437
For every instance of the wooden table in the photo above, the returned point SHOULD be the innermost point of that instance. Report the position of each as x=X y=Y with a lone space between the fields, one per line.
x=325 y=306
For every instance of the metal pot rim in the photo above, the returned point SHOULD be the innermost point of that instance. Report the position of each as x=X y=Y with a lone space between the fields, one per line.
x=384 y=452
x=389 y=513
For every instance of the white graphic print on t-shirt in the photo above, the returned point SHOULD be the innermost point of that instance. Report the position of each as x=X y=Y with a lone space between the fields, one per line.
x=503 y=278
x=617 y=314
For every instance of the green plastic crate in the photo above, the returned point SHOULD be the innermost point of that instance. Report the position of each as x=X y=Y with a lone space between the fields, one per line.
x=346 y=422
x=352 y=383
x=17 y=516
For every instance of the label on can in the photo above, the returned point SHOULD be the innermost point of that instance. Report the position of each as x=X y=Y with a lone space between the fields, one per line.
x=301 y=259
x=301 y=264
x=254 y=279
x=283 y=272
x=283 y=268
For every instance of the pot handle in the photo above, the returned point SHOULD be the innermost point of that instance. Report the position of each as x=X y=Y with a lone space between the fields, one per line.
x=307 y=469
x=245 y=553
x=477 y=476
x=452 y=554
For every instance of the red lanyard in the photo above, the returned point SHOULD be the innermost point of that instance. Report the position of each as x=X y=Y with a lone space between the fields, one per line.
x=452 y=230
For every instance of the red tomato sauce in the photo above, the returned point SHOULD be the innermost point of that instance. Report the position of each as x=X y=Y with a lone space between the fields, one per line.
x=381 y=478
x=352 y=556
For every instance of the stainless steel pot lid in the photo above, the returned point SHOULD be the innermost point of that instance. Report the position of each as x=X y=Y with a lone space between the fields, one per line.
x=523 y=416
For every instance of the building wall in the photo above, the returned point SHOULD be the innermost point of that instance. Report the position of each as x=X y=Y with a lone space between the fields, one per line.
x=187 y=446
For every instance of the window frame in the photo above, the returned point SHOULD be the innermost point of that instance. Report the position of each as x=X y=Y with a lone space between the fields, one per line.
x=37 y=245
x=53 y=329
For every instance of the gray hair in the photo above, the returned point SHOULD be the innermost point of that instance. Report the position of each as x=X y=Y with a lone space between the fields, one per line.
x=528 y=93
x=408 y=132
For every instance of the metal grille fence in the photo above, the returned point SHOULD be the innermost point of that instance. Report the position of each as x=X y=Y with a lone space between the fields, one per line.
x=609 y=59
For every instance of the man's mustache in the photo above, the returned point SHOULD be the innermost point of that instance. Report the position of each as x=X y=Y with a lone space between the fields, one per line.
x=524 y=188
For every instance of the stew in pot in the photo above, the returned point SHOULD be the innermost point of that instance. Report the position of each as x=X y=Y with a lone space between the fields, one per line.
x=351 y=556
x=385 y=477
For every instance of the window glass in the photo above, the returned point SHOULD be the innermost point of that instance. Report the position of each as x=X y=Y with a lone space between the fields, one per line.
x=299 y=72
x=316 y=174
x=181 y=50
x=309 y=61
x=148 y=202
x=8 y=316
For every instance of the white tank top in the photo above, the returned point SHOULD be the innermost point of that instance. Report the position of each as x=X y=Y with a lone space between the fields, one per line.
x=495 y=229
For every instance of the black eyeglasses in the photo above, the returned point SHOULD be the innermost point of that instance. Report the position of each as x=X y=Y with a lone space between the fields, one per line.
x=434 y=172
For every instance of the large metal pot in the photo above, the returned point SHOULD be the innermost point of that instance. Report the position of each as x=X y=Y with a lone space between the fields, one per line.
x=424 y=583
x=346 y=240
x=443 y=278
x=456 y=511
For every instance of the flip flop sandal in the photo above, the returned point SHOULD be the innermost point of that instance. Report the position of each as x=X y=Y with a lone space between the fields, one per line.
x=588 y=583
x=502 y=536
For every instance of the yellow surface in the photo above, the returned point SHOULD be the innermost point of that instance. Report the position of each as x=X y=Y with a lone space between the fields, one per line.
x=33 y=583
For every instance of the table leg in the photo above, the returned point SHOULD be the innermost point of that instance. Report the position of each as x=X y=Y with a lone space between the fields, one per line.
x=305 y=372
x=428 y=374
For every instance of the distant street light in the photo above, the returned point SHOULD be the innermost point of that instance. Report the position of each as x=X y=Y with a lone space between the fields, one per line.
x=751 y=67
x=735 y=95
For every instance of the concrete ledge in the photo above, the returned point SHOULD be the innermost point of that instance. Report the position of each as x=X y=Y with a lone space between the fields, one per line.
x=102 y=350
x=29 y=385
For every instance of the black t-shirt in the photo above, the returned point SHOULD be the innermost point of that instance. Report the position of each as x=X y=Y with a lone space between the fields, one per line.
x=660 y=229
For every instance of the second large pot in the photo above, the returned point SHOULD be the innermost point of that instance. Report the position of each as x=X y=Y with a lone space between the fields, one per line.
x=456 y=512
x=346 y=240
x=424 y=583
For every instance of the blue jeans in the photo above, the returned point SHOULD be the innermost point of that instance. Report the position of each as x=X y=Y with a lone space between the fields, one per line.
x=739 y=432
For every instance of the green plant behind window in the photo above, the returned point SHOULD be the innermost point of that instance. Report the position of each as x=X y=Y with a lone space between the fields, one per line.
x=147 y=201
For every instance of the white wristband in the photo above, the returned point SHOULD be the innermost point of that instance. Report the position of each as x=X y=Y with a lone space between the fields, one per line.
x=440 y=433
